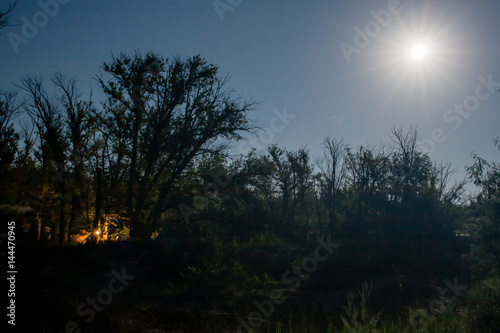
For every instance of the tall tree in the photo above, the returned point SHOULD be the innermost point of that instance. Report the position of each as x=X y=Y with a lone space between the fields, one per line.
x=77 y=130
x=46 y=114
x=292 y=180
x=174 y=111
x=333 y=172
x=8 y=136
x=367 y=177
x=486 y=229
x=283 y=183
x=410 y=168
x=8 y=142
x=301 y=169
x=486 y=175
x=440 y=181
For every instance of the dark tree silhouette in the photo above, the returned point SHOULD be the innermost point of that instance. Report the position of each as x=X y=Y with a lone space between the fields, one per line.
x=5 y=15
x=8 y=143
x=486 y=232
x=8 y=137
x=77 y=131
x=367 y=173
x=172 y=112
x=49 y=122
x=333 y=171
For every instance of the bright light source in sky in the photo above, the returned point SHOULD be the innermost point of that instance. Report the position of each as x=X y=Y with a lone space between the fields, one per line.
x=419 y=51
x=416 y=63
x=418 y=59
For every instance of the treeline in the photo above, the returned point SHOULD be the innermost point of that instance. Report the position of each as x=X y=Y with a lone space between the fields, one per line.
x=154 y=155
x=392 y=201
x=80 y=161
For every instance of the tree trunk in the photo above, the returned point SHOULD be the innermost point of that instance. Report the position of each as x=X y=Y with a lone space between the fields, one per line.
x=39 y=226
x=98 y=199
x=62 y=214
x=72 y=218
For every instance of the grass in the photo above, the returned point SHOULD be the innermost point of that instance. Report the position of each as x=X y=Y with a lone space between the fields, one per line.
x=161 y=300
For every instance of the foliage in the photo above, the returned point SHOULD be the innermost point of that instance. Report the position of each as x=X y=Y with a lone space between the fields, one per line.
x=485 y=228
x=167 y=114
x=483 y=305
x=358 y=318
x=154 y=153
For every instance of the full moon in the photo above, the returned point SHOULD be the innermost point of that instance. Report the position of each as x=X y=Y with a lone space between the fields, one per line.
x=419 y=52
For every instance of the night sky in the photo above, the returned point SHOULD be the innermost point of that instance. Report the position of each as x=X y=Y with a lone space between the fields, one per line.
x=343 y=69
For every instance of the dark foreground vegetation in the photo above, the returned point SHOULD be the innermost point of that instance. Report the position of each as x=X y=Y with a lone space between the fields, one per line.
x=132 y=216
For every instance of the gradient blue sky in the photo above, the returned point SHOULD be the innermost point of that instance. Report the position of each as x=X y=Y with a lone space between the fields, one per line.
x=288 y=54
